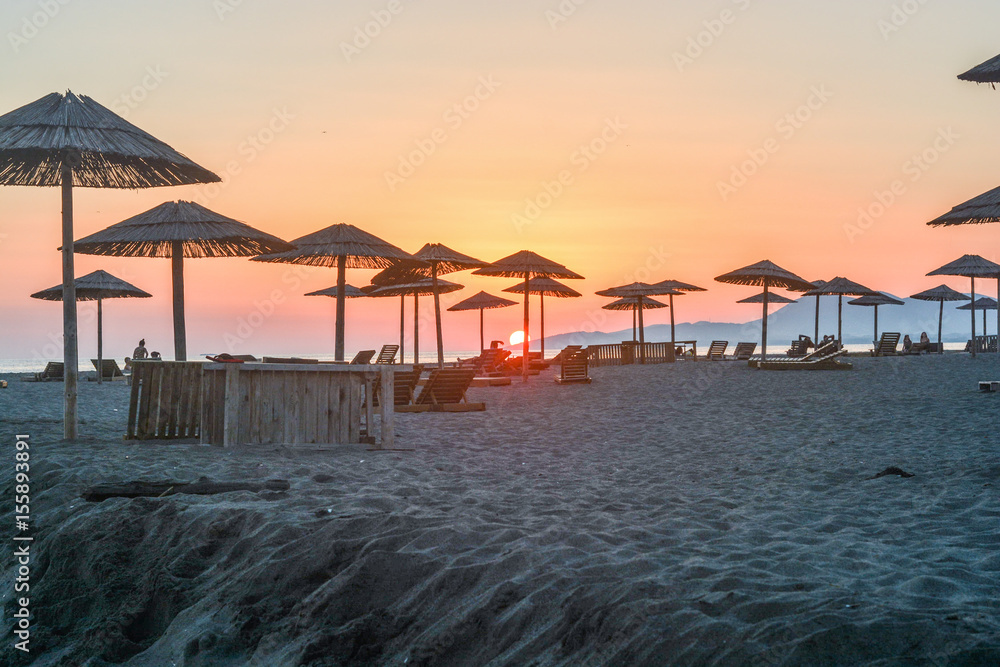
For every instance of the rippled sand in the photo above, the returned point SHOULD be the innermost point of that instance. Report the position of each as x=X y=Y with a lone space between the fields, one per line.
x=692 y=513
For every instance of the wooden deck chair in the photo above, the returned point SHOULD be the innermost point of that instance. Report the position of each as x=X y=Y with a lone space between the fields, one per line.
x=53 y=372
x=886 y=345
x=363 y=357
x=387 y=355
x=108 y=369
x=744 y=351
x=445 y=392
x=823 y=358
x=798 y=348
x=717 y=350
x=404 y=384
x=574 y=369
x=565 y=353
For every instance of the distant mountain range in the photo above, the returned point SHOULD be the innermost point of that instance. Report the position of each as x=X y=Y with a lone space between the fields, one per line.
x=786 y=324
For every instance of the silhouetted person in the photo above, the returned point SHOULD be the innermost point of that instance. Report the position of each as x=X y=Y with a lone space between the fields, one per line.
x=140 y=352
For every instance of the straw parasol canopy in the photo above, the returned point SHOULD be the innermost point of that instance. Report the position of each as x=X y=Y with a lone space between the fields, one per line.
x=983 y=303
x=971 y=266
x=765 y=274
x=771 y=299
x=418 y=288
x=526 y=265
x=987 y=72
x=96 y=286
x=634 y=291
x=179 y=229
x=645 y=302
x=874 y=301
x=69 y=140
x=482 y=301
x=544 y=287
x=350 y=292
x=840 y=286
x=680 y=287
x=345 y=247
x=941 y=293
x=441 y=260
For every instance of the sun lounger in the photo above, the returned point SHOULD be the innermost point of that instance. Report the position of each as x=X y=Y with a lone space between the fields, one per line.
x=445 y=392
x=798 y=348
x=289 y=360
x=574 y=369
x=744 y=351
x=404 y=383
x=108 y=370
x=717 y=350
x=565 y=353
x=886 y=345
x=489 y=362
x=823 y=358
x=387 y=355
x=53 y=373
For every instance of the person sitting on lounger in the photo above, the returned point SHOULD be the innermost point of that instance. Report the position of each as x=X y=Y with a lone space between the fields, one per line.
x=924 y=340
x=907 y=343
x=140 y=352
x=155 y=356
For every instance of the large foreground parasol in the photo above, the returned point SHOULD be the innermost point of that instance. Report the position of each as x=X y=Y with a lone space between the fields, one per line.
x=69 y=140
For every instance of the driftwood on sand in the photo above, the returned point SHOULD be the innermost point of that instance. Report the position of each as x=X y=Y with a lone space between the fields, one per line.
x=891 y=470
x=201 y=487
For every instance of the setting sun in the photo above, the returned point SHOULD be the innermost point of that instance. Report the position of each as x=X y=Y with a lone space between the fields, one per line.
x=517 y=338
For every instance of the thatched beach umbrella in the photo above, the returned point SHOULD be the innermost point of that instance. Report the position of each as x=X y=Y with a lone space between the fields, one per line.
x=979 y=210
x=941 y=293
x=482 y=301
x=841 y=287
x=96 y=286
x=440 y=260
x=634 y=304
x=634 y=291
x=345 y=247
x=986 y=72
x=971 y=266
x=526 y=265
x=422 y=287
x=771 y=299
x=983 y=303
x=350 y=292
x=875 y=300
x=67 y=140
x=544 y=287
x=676 y=286
x=765 y=274
x=179 y=229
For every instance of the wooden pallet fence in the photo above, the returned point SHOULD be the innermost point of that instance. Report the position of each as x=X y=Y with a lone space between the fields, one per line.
x=165 y=402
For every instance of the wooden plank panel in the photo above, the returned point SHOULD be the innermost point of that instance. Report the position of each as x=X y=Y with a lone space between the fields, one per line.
x=323 y=408
x=388 y=409
x=309 y=383
x=231 y=407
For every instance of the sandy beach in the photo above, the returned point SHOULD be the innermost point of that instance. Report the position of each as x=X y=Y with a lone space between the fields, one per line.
x=690 y=513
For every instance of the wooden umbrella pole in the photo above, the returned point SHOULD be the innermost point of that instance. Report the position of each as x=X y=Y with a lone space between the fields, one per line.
x=100 y=342
x=635 y=318
x=673 y=338
x=940 y=319
x=998 y=317
x=416 y=328
x=524 y=343
x=763 y=329
x=177 y=275
x=402 y=331
x=541 y=303
x=341 y=288
x=840 y=309
x=437 y=314
x=973 y=311
x=481 y=348
x=816 y=332
x=642 y=335
x=70 y=361
x=876 y=325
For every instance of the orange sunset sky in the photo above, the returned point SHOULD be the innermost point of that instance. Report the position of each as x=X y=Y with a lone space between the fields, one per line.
x=690 y=139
